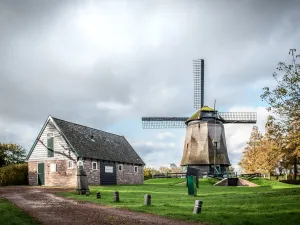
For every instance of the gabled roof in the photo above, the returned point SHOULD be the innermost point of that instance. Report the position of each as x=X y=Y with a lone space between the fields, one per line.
x=96 y=144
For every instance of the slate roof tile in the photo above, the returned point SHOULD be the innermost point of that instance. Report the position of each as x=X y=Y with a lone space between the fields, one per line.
x=103 y=145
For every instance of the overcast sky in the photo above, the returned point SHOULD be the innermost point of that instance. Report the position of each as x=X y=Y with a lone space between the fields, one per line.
x=105 y=64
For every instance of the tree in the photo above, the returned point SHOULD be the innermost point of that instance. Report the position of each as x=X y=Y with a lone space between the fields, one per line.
x=163 y=169
x=174 y=168
x=284 y=101
x=250 y=161
x=11 y=154
x=148 y=172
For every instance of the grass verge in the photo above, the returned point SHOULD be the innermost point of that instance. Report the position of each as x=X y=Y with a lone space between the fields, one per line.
x=271 y=203
x=12 y=215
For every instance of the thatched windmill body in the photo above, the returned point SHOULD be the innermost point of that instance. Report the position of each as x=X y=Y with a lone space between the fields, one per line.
x=205 y=143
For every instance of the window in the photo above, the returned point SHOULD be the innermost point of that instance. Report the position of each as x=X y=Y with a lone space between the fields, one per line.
x=53 y=168
x=120 y=167
x=94 y=165
x=135 y=169
x=50 y=144
x=80 y=163
x=109 y=169
x=70 y=164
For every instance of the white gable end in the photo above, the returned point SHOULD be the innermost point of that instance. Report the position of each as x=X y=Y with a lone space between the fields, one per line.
x=62 y=150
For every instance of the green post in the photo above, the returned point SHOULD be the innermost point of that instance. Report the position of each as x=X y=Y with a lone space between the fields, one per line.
x=192 y=187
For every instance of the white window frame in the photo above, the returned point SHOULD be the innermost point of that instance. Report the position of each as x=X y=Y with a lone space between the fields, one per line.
x=137 y=169
x=80 y=162
x=53 y=168
x=120 y=165
x=93 y=163
x=70 y=161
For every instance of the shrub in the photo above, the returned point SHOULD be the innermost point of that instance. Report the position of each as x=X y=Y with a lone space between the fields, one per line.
x=148 y=172
x=14 y=174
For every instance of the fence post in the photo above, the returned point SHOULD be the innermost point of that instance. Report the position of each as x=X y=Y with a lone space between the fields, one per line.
x=98 y=195
x=197 y=207
x=147 y=200
x=116 y=196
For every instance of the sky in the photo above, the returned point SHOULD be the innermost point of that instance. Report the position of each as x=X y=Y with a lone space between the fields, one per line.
x=105 y=64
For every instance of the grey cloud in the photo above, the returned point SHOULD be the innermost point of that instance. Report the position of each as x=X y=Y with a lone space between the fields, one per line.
x=48 y=66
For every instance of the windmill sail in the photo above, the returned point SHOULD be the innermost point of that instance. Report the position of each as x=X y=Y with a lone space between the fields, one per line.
x=163 y=122
x=198 y=71
x=205 y=143
x=238 y=117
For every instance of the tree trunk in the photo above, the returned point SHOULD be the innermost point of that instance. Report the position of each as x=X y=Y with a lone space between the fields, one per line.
x=295 y=167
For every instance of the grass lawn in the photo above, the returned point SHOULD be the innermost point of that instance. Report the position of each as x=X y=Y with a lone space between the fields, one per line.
x=271 y=203
x=12 y=215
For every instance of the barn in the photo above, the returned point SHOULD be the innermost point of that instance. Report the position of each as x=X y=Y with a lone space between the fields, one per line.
x=62 y=146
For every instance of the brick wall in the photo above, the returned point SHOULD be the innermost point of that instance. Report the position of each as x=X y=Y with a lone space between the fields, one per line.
x=128 y=176
x=93 y=176
x=63 y=176
x=32 y=173
x=68 y=177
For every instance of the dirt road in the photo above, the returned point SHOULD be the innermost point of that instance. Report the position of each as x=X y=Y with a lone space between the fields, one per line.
x=46 y=207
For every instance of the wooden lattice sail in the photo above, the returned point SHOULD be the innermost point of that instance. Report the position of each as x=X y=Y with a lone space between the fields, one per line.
x=205 y=143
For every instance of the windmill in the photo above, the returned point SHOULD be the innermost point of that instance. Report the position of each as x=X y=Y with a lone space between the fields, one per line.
x=205 y=144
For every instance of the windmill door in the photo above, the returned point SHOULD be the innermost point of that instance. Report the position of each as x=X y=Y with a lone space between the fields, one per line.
x=41 y=174
x=232 y=181
x=108 y=173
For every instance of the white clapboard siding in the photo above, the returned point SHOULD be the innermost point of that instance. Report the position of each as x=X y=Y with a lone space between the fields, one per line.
x=61 y=149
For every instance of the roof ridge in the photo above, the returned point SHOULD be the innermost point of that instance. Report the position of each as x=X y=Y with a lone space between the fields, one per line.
x=87 y=127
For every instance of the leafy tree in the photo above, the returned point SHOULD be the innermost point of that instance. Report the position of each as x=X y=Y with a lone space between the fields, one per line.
x=148 y=172
x=11 y=154
x=163 y=169
x=250 y=161
x=231 y=169
x=174 y=168
x=284 y=101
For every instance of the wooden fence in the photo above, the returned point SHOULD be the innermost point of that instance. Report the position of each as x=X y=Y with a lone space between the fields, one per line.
x=169 y=175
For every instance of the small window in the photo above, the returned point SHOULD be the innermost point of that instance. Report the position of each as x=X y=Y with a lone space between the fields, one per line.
x=53 y=168
x=70 y=164
x=135 y=169
x=120 y=167
x=94 y=165
x=80 y=163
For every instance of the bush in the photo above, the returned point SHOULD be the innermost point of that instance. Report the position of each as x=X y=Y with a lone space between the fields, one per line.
x=14 y=174
x=148 y=172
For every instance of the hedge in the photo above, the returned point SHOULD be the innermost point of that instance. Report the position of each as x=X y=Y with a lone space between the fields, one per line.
x=14 y=174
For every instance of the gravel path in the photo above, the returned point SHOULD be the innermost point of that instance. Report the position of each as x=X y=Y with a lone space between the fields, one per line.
x=46 y=207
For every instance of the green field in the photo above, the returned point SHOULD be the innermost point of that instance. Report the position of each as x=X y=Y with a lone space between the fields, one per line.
x=12 y=215
x=271 y=203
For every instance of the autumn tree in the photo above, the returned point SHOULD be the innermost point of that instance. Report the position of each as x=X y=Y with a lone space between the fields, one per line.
x=174 y=168
x=11 y=154
x=250 y=161
x=164 y=169
x=284 y=101
x=148 y=172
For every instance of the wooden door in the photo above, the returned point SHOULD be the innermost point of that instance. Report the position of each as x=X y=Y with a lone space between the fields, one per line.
x=108 y=173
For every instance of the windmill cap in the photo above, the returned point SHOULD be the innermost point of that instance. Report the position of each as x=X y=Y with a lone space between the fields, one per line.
x=206 y=108
x=196 y=115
